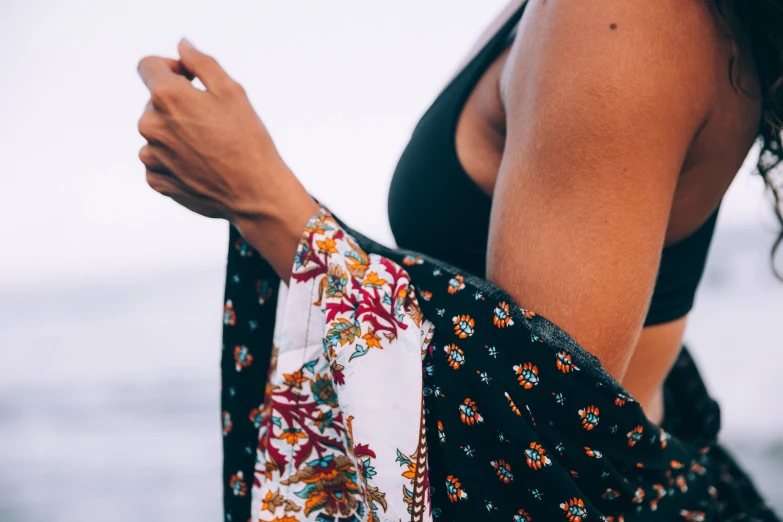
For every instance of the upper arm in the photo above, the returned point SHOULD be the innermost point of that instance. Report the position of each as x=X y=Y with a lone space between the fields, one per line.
x=599 y=121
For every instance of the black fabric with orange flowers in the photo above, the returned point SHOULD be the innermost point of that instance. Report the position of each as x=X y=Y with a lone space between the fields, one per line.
x=248 y=326
x=522 y=423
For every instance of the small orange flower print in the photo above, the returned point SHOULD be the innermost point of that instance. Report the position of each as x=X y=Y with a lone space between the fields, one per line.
x=318 y=225
x=468 y=413
x=589 y=417
x=610 y=494
x=463 y=325
x=295 y=379
x=513 y=406
x=327 y=246
x=593 y=453
x=456 y=284
x=271 y=501
x=676 y=464
x=373 y=339
x=292 y=435
x=243 y=247
x=410 y=473
x=229 y=316
x=502 y=315
x=441 y=434
x=255 y=417
x=621 y=399
x=503 y=470
x=373 y=280
x=693 y=516
x=264 y=290
x=681 y=483
x=527 y=313
x=564 y=363
x=664 y=436
x=527 y=375
x=634 y=436
x=522 y=516
x=456 y=356
x=638 y=496
x=412 y=260
x=454 y=489
x=242 y=357
x=357 y=262
x=660 y=490
x=574 y=509
x=536 y=456
x=227 y=424
x=424 y=294
x=237 y=484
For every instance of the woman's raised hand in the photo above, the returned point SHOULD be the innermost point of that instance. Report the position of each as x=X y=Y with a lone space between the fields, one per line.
x=210 y=152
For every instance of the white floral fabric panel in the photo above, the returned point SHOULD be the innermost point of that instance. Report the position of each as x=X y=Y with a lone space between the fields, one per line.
x=342 y=427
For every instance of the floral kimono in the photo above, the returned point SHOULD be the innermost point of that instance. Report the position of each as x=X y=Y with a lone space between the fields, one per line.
x=382 y=385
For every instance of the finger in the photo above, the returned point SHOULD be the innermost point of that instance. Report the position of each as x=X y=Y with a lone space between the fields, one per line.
x=151 y=160
x=173 y=189
x=203 y=67
x=177 y=68
x=153 y=128
x=153 y=70
x=160 y=159
x=198 y=206
x=166 y=87
x=165 y=184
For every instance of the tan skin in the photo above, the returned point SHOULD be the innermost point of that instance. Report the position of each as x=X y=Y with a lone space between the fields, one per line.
x=607 y=131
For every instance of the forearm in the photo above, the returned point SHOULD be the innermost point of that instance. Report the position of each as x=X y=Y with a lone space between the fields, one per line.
x=276 y=230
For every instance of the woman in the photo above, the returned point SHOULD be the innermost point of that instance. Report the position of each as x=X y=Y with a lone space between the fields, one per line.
x=577 y=161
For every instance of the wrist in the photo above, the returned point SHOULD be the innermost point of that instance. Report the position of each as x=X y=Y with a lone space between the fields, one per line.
x=275 y=230
x=264 y=194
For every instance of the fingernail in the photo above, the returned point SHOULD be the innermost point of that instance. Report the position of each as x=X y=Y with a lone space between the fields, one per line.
x=187 y=43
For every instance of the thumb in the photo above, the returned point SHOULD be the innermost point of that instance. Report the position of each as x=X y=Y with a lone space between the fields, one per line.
x=202 y=66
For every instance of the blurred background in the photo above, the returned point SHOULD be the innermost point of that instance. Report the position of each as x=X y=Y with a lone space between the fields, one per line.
x=111 y=295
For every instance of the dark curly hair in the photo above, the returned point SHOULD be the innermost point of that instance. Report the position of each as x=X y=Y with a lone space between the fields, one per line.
x=761 y=23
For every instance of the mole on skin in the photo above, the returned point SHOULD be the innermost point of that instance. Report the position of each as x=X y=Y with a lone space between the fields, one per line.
x=613 y=27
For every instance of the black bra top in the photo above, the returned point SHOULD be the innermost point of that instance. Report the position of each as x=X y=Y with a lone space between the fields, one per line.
x=451 y=220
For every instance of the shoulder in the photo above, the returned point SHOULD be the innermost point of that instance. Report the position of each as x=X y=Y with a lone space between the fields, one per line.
x=647 y=52
x=655 y=22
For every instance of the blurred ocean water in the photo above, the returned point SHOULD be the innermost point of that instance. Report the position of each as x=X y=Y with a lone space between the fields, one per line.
x=109 y=393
